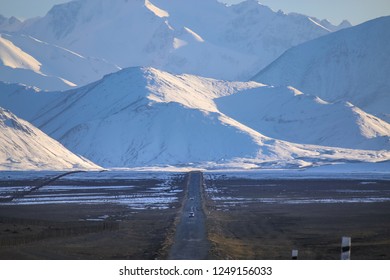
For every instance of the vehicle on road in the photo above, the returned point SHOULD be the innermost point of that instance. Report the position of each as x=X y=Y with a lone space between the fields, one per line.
x=191 y=215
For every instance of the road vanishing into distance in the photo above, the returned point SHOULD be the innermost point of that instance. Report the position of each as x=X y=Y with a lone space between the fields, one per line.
x=190 y=240
x=40 y=216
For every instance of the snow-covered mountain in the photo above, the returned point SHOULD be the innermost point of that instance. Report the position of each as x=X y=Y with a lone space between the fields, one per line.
x=248 y=27
x=350 y=65
x=18 y=66
x=25 y=101
x=205 y=37
x=10 y=24
x=288 y=114
x=26 y=60
x=144 y=116
x=24 y=147
x=328 y=25
x=141 y=116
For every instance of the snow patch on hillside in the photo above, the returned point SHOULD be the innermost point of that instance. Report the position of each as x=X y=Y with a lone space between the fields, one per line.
x=156 y=10
x=14 y=57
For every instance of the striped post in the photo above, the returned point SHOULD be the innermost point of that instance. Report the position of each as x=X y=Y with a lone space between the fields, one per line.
x=346 y=248
x=294 y=254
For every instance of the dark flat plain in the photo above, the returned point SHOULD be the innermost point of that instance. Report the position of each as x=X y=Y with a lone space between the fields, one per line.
x=75 y=231
x=272 y=217
x=245 y=219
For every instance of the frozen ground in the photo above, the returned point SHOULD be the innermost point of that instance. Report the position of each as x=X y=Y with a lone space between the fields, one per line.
x=138 y=191
x=337 y=170
x=230 y=192
x=149 y=189
x=265 y=218
x=91 y=175
x=380 y=171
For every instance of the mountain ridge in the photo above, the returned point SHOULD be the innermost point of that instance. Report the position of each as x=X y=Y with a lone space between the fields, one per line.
x=24 y=147
x=350 y=65
x=24 y=59
x=240 y=37
x=144 y=116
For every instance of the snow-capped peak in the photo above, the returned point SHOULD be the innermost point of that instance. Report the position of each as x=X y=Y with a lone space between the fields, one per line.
x=239 y=38
x=144 y=116
x=352 y=65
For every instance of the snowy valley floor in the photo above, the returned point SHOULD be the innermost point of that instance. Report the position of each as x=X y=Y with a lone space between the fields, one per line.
x=133 y=215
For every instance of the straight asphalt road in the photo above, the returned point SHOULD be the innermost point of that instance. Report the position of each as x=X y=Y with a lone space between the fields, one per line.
x=190 y=241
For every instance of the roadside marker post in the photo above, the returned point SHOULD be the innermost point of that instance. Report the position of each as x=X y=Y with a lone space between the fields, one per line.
x=294 y=254
x=346 y=248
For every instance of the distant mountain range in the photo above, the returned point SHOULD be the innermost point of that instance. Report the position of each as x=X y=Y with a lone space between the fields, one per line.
x=204 y=38
x=324 y=100
x=32 y=62
x=144 y=117
x=351 y=65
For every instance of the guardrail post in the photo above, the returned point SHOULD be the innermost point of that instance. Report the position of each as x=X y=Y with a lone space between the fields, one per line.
x=346 y=248
x=294 y=254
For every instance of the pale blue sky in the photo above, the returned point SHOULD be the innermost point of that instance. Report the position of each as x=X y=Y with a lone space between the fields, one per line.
x=356 y=11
